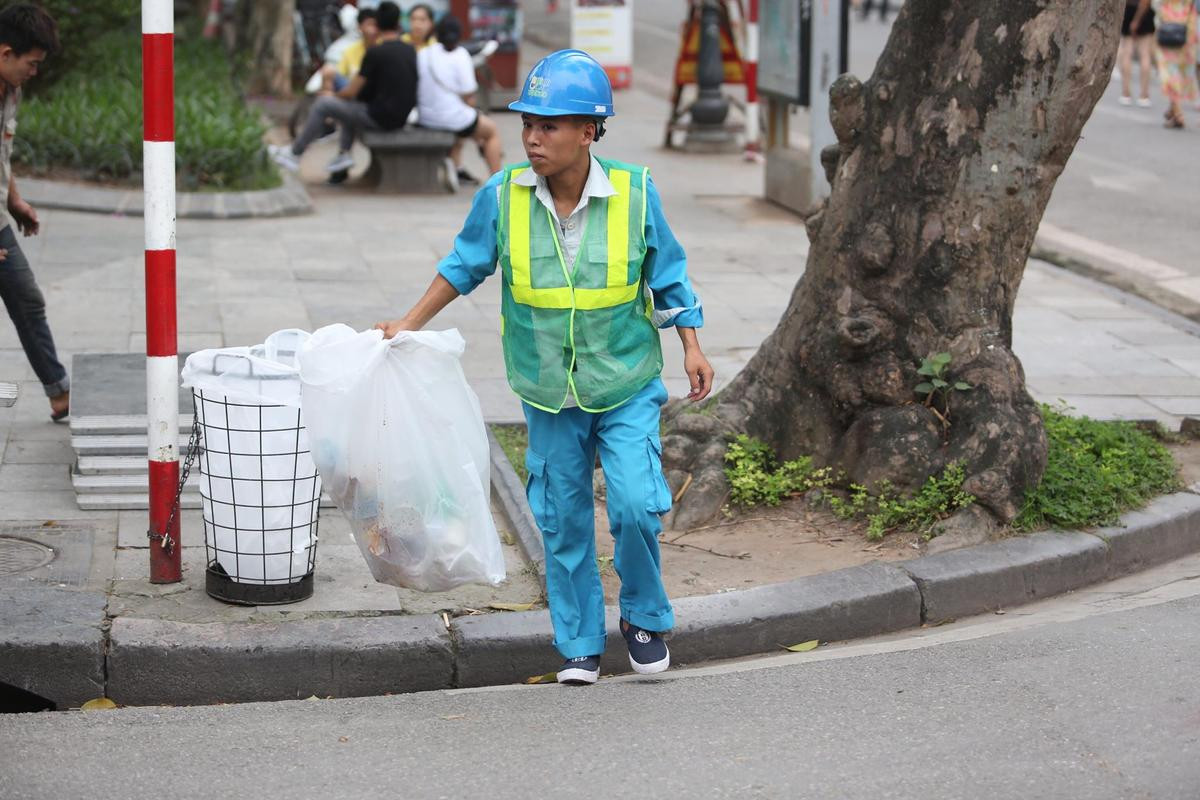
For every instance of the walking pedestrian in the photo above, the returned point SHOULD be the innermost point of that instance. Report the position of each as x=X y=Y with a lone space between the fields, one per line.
x=1139 y=41
x=27 y=36
x=591 y=271
x=1176 y=47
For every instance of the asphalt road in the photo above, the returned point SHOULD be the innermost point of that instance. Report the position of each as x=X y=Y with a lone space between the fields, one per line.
x=1093 y=695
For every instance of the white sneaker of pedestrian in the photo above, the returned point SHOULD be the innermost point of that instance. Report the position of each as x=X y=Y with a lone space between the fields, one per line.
x=1143 y=102
x=340 y=162
x=283 y=156
x=1125 y=100
x=451 y=177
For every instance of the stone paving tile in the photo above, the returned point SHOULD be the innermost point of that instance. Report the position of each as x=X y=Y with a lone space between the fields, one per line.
x=1180 y=405
x=1104 y=407
x=1126 y=386
x=34 y=478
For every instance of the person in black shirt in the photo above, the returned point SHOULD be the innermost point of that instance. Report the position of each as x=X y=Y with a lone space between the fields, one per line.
x=379 y=98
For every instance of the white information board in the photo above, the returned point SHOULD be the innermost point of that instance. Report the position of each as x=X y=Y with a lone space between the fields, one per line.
x=604 y=30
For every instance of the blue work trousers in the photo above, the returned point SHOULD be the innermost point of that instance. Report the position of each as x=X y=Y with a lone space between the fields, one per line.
x=561 y=459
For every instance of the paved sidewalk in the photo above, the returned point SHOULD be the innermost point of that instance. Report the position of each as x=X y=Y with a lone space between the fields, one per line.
x=362 y=258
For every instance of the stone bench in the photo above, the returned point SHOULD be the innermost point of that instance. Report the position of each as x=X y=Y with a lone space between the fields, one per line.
x=409 y=160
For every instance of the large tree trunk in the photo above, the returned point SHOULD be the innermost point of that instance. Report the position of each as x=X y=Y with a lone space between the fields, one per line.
x=946 y=159
x=265 y=33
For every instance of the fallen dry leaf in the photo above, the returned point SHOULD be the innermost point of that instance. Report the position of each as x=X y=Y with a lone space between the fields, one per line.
x=803 y=647
x=343 y=738
x=511 y=606
x=549 y=677
x=99 y=704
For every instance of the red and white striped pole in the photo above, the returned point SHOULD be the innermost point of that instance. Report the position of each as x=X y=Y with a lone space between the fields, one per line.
x=753 y=143
x=162 y=357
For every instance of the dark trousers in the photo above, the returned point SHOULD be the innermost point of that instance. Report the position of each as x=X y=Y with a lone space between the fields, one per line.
x=27 y=308
x=869 y=4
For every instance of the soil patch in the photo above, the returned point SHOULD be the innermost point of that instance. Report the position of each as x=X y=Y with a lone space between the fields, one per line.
x=757 y=547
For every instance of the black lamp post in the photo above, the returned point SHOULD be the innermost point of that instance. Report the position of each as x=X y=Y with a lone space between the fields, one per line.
x=707 y=128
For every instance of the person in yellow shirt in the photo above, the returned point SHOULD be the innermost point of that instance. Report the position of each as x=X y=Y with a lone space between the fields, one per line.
x=334 y=78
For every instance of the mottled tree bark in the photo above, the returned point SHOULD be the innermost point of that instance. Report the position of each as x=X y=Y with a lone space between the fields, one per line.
x=946 y=159
x=265 y=30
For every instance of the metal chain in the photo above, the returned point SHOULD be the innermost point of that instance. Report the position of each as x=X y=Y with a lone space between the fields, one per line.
x=192 y=451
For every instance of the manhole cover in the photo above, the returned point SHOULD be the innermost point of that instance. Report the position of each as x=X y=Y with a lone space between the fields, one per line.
x=21 y=555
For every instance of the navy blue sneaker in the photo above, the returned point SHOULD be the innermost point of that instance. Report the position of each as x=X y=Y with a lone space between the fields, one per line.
x=648 y=652
x=580 y=671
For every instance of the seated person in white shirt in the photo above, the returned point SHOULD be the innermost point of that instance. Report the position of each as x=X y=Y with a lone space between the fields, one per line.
x=445 y=94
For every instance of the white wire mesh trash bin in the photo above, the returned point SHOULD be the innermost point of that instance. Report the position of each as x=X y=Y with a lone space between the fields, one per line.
x=259 y=488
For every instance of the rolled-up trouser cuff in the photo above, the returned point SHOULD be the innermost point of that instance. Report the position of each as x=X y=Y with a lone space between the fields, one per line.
x=58 y=387
x=651 y=622
x=583 y=646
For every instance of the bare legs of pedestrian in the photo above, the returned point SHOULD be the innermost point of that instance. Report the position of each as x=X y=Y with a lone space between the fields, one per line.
x=1142 y=47
x=487 y=136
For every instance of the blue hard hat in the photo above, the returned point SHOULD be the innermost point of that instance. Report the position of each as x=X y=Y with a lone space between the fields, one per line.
x=566 y=82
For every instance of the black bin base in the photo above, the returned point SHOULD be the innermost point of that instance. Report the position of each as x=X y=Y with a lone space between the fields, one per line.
x=220 y=586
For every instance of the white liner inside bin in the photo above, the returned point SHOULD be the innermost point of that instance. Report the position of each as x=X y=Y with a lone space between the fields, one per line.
x=258 y=484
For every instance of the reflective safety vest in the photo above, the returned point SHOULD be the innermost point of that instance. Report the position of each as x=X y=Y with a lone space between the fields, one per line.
x=582 y=329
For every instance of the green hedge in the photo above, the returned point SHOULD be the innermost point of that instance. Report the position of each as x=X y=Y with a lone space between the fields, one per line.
x=90 y=120
x=79 y=21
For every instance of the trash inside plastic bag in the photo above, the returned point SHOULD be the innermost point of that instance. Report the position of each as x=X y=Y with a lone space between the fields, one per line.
x=258 y=484
x=399 y=440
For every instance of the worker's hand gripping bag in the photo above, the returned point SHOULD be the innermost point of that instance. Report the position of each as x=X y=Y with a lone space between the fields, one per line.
x=398 y=438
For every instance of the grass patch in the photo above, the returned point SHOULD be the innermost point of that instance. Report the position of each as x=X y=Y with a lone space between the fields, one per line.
x=513 y=440
x=89 y=122
x=1095 y=471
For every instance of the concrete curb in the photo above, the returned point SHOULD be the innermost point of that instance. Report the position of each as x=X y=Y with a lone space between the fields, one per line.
x=54 y=641
x=151 y=662
x=510 y=492
x=287 y=200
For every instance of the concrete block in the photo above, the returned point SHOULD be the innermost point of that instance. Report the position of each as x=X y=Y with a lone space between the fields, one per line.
x=52 y=642
x=1006 y=573
x=511 y=495
x=153 y=662
x=1168 y=528
x=510 y=647
x=833 y=606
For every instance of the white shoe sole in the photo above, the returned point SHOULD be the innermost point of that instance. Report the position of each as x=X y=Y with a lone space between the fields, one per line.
x=578 y=676
x=651 y=669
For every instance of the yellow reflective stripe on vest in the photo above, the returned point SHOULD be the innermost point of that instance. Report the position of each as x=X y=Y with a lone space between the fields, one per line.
x=618 y=229
x=518 y=232
x=585 y=299
x=617 y=291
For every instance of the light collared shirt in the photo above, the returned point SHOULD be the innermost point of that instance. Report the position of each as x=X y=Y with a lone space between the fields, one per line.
x=475 y=251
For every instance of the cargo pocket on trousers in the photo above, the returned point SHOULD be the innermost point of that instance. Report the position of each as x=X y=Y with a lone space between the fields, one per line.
x=658 y=500
x=537 y=489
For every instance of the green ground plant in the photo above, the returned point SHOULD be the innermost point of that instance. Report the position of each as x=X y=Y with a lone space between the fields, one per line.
x=1094 y=472
x=756 y=476
x=90 y=121
x=885 y=510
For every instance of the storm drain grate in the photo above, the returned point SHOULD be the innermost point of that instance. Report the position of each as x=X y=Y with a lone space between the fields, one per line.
x=22 y=555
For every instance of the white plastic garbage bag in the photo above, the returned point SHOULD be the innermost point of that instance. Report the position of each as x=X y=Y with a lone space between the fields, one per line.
x=258 y=483
x=399 y=439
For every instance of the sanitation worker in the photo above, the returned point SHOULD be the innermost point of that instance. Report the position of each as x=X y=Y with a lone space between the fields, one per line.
x=590 y=272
